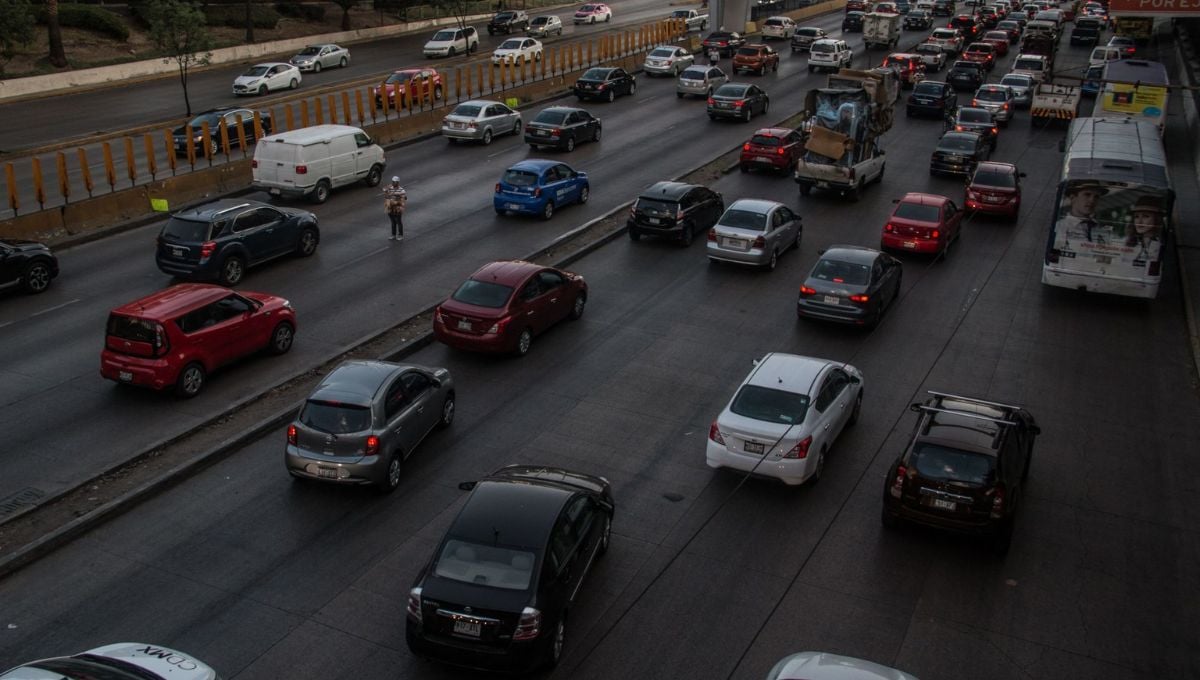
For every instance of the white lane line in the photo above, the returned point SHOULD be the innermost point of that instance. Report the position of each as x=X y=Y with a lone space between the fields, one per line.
x=51 y=309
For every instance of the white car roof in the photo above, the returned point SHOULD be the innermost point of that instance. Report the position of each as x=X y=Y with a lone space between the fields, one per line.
x=787 y=372
x=822 y=666
x=162 y=662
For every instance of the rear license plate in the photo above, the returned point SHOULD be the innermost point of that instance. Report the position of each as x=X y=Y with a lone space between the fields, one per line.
x=910 y=244
x=125 y=376
x=734 y=243
x=763 y=159
x=832 y=300
x=943 y=505
x=471 y=628
x=752 y=447
x=653 y=220
x=177 y=252
x=513 y=206
x=543 y=133
x=328 y=473
x=464 y=325
x=822 y=185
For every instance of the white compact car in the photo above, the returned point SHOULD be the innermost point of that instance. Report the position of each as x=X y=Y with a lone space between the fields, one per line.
x=785 y=416
x=780 y=28
x=121 y=660
x=268 y=77
x=449 y=42
x=822 y=666
x=517 y=51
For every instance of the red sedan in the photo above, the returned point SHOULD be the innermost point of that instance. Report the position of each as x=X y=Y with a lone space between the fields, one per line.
x=772 y=148
x=395 y=85
x=982 y=53
x=998 y=40
x=995 y=188
x=505 y=304
x=922 y=223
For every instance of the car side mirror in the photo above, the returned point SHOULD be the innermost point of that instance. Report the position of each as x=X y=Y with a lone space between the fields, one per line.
x=854 y=380
x=915 y=408
x=466 y=486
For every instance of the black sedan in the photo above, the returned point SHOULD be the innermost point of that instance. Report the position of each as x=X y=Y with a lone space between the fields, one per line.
x=957 y=153
x=918 y=20
x=931 y=98
x=497 y=591
x=850 y=284
x=966 y=76
x=738 y=100
x=28 y=265
x=725 y=42
x=562 y=127
x=214 y=118
x=605 y=83
x=978 y=120
x=853 y=21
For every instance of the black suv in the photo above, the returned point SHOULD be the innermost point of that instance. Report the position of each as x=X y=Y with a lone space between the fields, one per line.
x=964 y=468
x=966 y=75
x=508 y=21
x=930 y=97
x=853 y=21
x=918 y=20
x=219 y=240
x=676 y=210
x=27 y=264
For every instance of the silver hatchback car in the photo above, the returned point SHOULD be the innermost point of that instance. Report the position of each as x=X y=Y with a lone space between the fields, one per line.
x=365 y=418
x=754 y=231
x=479 y=120
x=700 y=81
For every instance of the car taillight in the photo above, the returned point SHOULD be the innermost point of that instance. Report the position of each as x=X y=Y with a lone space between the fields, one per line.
x=973 y=195
x=437 y=315
x=161 y=344
x=889 y=228
x=414 y=604
x=500 y=325
x=714 y=433
x=995 y=131
x=861 y=299
x=934 y=233
x=301 y=169
x=739 y=103
x=746 y=146
x=800 y=450
x=556 y=132
x=528 y=129
x=372 y=445
x=207 y=249
x=760 y=242
x=1005 y=107
x=958 y=128
x=898 y=483
x=529 y=625
x=712 y=235
x=710 y=101
x=254 y=162
x=974 y=102
x=998 y=502
x=291 y=434
x=781 y=151
x=805 y=290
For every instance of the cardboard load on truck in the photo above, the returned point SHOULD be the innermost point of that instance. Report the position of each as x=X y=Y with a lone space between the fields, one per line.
x=827 y=143
x=883 y=86
x=841 y=123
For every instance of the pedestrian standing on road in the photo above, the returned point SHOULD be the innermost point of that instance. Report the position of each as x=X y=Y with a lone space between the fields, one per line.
x=395 y=200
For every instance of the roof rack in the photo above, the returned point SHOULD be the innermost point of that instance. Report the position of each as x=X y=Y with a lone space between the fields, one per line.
x=972 y=399
x=964 y=414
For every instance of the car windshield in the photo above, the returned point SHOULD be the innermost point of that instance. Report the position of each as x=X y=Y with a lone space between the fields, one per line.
x=503 y=16
x=403 y=77
x=493 y=566
x=744 y=219
x=551 y=117
x=520 y=178
x=770 y=405
x=595 y=74
x=993 y=178
x=179 y=229
x=482 y=294
x=1016 y=81
x=467 y=110
x=663 y=52
x=917 y=212
x=1028 y=64
x=731 y=90
x=940 y=463
x=213 y=120
x=990 y=95
x=927 y=89
x=538 y=21
x=442 y=36
x=256 y=71
x=766 y=140
x=681 y=14
x=974 y=116
x=335 y=418
x=808 y=32
x=656 y=205
x=957 y=143
x=693 y=74
x=513 y=44
x=837 y=271
x=587 y=8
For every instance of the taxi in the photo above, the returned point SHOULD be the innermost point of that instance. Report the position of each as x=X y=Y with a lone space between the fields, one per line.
x=539 y=187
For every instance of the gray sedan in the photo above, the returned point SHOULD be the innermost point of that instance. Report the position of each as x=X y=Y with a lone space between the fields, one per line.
x=365 y=418
x=700 y=81
x=754 y=231
x=316 y=57
x=667 y=60
x=480 y=120
x=1022 y=86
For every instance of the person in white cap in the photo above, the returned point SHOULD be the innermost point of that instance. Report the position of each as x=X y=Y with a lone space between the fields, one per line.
x=395 y=200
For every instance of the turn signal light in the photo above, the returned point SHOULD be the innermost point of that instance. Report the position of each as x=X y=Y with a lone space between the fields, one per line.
x=781 y=151
x=710 y=101
x=254 y=162
x=889 y=228
x=746 y=146
x=998 y=502
x=935 y=233
x=292 y=435
x=497 y=187
x=301 y=169
x=372 y=445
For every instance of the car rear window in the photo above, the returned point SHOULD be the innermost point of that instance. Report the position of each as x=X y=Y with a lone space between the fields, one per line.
x=1016 y=81
x=492 y=566
x=748 y=51
x=520 y=178
x=131 y=328
x=917 y=212
x=656 y=205
x=335 y=418
x=992 y=178
x=551 y=117
x=732 y=90
x=956 y=143
x=467 y=110
x=807 y=32
x=1028 y=64
x=991 y=95
x=837 y=271
x=186 y=230
x=974 y=116
x=764 y=140
x=769 y=405
x=595 y=74
x=822 y=47
x=941 y=463
x=927 y=88
x=482 y=294
x=693 y=74
x=744 y=219
x=663 y=52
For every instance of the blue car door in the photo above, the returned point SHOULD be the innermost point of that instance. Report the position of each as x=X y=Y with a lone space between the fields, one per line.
x=567 y=190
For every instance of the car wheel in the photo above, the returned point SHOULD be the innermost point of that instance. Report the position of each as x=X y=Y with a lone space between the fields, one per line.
x=524 y=341
x=501 y=212
x=548 y=210
x=342 y=63
x=317 y=67
x=556 y=645
x=857 y=408
x=578 y=307
x=214 y=148
x=811 y=69
x=1028 y=462
x=686 y=236
x=888 y=520
x=596 y=134
x=605 y=535
x=584 y=194
x=570 y=144
x=262 y=90
x=487 y=137
x=36 y=278
x=190 y=380
x=612 y=96
x=232 y=271
x=1002 y=541
x=815 y=478
x=391 y=479
x=747 y=114
x=307 y=245
x=281 y=338
x=766 y=105
x=879 y=177
x=447 y=418
x=374 y=176
x=799 y=236
x=634 y=234
x=774 y=261
x=450 y=54
x=293 y=84
x=321 y=193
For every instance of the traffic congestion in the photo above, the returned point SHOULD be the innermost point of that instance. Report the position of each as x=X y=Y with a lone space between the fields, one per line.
x=838 y=443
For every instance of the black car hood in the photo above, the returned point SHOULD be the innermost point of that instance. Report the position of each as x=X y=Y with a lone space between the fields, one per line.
x=446 y=591
x=24 y=246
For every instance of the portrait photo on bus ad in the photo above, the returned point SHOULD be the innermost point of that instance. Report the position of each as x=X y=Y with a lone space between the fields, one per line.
x=1126 y=224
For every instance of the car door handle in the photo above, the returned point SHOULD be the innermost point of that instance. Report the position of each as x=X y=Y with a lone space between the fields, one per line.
x=554 y=299
x=421 y=409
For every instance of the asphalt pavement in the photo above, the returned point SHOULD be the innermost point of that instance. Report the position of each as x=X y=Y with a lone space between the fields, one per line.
x=707 y=578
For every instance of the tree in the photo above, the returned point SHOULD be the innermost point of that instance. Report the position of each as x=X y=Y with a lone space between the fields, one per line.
x=459 y=9
x=180 y=30
x=58 y=56
x=249 y=23
x=345 y=5
x=16 y=28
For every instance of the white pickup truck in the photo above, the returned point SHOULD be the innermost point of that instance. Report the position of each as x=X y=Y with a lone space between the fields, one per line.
x=695 y=20
x=849 y=180
x=1054 y=102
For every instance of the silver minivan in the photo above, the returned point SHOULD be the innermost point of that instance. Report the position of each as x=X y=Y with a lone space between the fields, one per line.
x=754 y=231
x=700 y=81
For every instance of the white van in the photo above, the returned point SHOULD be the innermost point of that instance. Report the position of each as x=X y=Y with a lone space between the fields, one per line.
x=311 y=161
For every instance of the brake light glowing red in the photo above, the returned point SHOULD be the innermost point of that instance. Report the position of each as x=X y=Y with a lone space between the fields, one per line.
x=529 y=625
x=372 y=446
x=860 y=298
x=739 y=103
x=714 y=433
x=805 y=290
x=291 y=434
x=301 y=169
x=710 y=101
x=781 y=151
x=935 y=233
x=746 y=146
x=889 y=228
x=207 y=249
x=800 y=450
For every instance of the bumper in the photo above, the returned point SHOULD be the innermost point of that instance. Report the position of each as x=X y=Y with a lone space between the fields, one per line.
x=1000 y=115
x=1097 y=283
x=792 y=471
x=518 y=204
x=517 y=657
x=592 y=94
x=1008 y=207
x=755 y=256
x=672 y=231
x=826 y=184
x=206 y=270
x=365 y=470
x=548 y=140
x=288 y=190
x=658 y=70
x=726 y=113
x=917 y=515
x=909 y=244
x=812 y=309
x=153 y=373
x=491 y=343
x=776 y=162
x=965 y=85
x=473 y=134
x=305 y=68
x=801 y=47
x=436 y=52
x=698 y=90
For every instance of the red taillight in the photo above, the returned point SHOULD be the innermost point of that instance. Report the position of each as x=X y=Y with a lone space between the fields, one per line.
x=161 y=344
x=862 y=299
x=1005 y=107
x=372 y=445
x=974 y=102
x=497 y=187
x=935 y=233
x=958 y=128
x=760 y=242
x=714 y=433
x=437 y=315
x=292 y=435
x=995 y=131
x=207 y=249
x=555 y=132
x=679 y=214
x=805 y=290
x=781 y=151
x=710 y=101
x=739 y=103
x=254 y=162
x=898 y=483
x=889 y=228
x=998 y=501
x=746 y=146
x=500 y=325
x=800 y=450
x=537 y=192
x=712 y=234
x=301 y=169
x=529 y=625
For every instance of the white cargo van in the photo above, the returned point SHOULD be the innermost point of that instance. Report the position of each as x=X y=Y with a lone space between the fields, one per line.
x=313 y=160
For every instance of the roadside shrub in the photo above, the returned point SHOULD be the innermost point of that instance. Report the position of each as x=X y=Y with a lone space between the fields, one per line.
x=235 y=16
x=301 y=10
x=90 y=18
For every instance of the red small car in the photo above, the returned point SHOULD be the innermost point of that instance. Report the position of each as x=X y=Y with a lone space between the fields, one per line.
x=998 y=40
x=910 y=68
x=995 y=188
x=397 y=83
x=174 y=338
x=981 y=52
x=505 y=304
x=774 y=148
x=922 y=223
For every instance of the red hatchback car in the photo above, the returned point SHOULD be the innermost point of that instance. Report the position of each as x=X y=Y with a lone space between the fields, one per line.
x=174 y=338
x=773 y=148
x=922 y=223
x=505 y=304
x=995 y=188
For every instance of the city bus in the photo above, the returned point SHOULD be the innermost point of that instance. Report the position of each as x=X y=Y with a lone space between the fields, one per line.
x=1136 y=88
x=1113 y=210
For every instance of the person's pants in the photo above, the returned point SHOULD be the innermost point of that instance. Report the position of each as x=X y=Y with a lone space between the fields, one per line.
x=397 y=223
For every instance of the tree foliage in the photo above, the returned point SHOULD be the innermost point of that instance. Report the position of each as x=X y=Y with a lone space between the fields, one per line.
x=345 y=5
x=16 y=28
x=180 y=29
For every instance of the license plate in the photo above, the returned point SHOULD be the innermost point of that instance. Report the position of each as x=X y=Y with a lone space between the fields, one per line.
x=328 y=473
x=471 y=628
x=832 y=300
x=992 y=199
x=274 y=192
x=763 y=159
x=752 y=447
x=543 y=133
x=943 y=505
x=458 y=126
x=513 y=206
x=653 y=220
x=955 y=159
x=464 y=325
x=734 y=243
x=125 y=376
x=910 y=244
x=177 y=252
x=725 y=105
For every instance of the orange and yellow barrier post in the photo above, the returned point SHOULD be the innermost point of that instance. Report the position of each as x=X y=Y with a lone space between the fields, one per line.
x=64 y=182
x=110 y=171
x=151 y=157
x=38 y=186
x=86 y=170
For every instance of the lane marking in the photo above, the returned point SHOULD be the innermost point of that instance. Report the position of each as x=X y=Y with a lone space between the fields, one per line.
x=51 y=309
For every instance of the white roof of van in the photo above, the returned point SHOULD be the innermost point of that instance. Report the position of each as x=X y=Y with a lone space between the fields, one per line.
x=311 y=135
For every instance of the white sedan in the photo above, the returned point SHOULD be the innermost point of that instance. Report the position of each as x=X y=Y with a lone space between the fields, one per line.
x=785 y=416
x=517 y=51
x=264 y=78
x=122 y=660
x=823 y=666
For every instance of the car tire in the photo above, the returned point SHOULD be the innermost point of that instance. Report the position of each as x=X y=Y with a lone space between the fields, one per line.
x=605 y=535
x=585 y=193
x=533 y=146
x=343 y=62
x=487 y=137
x=36 y=278
x=321 y=193
x=747 y=114
x=687 y=235
x=214 y=147
x=524 y=342
x=448 y=407
x=879 y=178
x=233 y=269
x=632 y=88
x=501 y=212
x=815 y=477
x=596 y=134
x=811 y=69
x=190 y=381
x=805 y=188
x=1002 y=540
x=634 y=234
x=889 y=520
x=374 y=176
x=395 y=470
x=282 y=338
x=306 y=245
x=450 y=53
x=554 y=653
x=857 y=408
x=293 y=84
x=317 y=67
x=262 y=90
x=570 y=146
x=679 y=95
x=578 y=307
x=612 y=96
x=773 y=262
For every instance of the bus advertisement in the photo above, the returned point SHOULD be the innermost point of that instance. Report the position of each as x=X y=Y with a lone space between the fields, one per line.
x=1136 y=88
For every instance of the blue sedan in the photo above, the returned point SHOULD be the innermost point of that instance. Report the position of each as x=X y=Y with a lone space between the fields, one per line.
x=537 y=187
